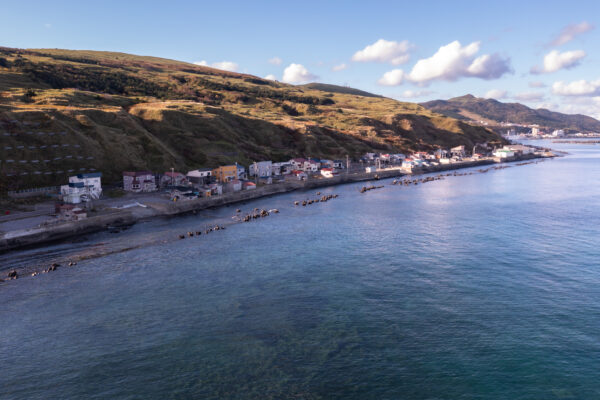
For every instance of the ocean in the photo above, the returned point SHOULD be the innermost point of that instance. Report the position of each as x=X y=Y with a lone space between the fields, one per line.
x=481 y=286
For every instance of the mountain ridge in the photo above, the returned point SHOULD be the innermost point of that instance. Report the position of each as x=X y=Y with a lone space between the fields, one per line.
x=469 y=107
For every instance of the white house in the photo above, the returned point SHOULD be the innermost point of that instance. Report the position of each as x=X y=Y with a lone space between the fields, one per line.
x=504 y=153
x=300 y=175
x=82 y=187
x=281 y=168
x=298 y=163
x=558 y=132
x=339 y=164
x=311 y=166
x=328 y=172
x=520 y=149
x=234 y=185
x=199 y=176
x=458 y=151
x=262 y=169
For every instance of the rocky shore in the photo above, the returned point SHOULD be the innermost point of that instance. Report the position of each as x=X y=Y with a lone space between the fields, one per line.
x=35 y=236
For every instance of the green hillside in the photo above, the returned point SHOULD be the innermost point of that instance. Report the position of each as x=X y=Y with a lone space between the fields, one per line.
x=469 y=107
x=63 y=111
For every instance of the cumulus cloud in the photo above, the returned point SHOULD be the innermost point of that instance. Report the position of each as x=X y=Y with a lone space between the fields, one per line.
x=496 y=94
x=271 y=77
x=537 y=84
x=582 y=105
x=394 y=77
x=452 y=62
x=412 y=94
x=224 y=65
x=385 y=51
x=339 y=67
x=555 y=61
x=570 y=32
x=297 y=73
x=577 y=88
x=529 y=96
x=275 y=61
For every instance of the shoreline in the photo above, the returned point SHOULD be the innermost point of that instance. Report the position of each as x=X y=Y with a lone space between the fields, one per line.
x=38 y=236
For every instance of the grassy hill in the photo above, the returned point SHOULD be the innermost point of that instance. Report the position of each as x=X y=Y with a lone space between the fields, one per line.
x=64 y=111
x=469 y=107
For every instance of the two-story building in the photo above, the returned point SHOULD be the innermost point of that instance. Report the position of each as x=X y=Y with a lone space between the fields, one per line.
x=225 y=173
x=173 y=179
x=262 y=169
x=139 y=181
x=199 y=177
x=82 y=187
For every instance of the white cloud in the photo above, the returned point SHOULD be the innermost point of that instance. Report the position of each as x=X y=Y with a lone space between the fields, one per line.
x=496 y=94
x=570 y=32
x=412 y=94
x=275 y=61
x=224 y=65
x=555 y=61
x=339 y=67
x=297 y=73
x=453 y=61
x=537 y=84
x=385 y=51
x=529 y=96
x=583 y=105
x=394 y=77
x=577 y=88
x=271 y=77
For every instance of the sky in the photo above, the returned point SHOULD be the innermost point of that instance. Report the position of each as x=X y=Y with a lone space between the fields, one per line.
x=540 y=53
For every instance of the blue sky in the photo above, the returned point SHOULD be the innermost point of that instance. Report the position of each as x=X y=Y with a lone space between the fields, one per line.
x=540 y=53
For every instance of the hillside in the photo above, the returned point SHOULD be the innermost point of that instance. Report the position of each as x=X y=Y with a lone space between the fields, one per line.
x=63 y=111
x=469 y=107
x=324 y=87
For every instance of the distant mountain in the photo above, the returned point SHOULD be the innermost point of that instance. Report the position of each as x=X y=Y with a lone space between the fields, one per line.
x=473 y=108
x=324 y=87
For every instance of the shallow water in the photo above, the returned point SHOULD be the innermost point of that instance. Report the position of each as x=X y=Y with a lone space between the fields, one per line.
x=484 y=286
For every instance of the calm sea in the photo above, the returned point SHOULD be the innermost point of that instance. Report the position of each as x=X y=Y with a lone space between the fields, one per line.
x=485 y=286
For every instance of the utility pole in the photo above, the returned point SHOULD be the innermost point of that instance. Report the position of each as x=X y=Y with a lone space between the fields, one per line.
x=347 y=164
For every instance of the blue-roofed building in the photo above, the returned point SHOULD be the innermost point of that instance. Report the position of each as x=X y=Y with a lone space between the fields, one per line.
x=82 y=187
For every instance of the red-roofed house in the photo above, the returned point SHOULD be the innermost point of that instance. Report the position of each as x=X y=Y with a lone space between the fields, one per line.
x=173 y=179
x=328 y=172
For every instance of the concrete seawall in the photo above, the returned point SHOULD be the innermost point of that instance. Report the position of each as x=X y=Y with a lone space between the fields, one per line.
x=21 y=238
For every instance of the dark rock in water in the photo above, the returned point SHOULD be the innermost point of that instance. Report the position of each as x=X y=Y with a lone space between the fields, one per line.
x=13 y=274
x=181 y=236
x=198 y=233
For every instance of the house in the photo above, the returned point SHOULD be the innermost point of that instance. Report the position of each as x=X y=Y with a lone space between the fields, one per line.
x=173 y=179
x=82 y=187
x=199 y=177
x=328 y=172
x=441 y=153
x=408 y=164
x=234 y=185
x=458 y=152
x=300 y=175
x=262 y=169
x=311 y=166
x=370 y=156
x=216 y=189
x=249 y=185
x=281 y=168
x=241 y=172
x=339 y=164
x=139 y=181
x=397 y=158
x=297 y=163
x=519 y=149
x=326 y=164
x=504 y=153
x=225 y=173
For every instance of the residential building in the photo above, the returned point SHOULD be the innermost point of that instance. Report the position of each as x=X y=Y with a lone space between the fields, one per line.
x=281 y=168
x=300 y=175
x=311 y=166
x=249 y=185
x=458 y=152
x=504 y=153
x=234 y=185
x=297 y=163
x=339 y=164
x=199 y=177
x=328 y=172
x=82 y=187
x=225 y=173
x=519 y=149
x=173 y=179
x=262 y=169
x=326 y=163
x=241 y=172
x=69 y=212
x=216 y=189
x=139 y=181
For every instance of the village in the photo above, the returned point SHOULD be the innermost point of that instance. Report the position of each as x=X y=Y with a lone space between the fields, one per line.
x=82 y=190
